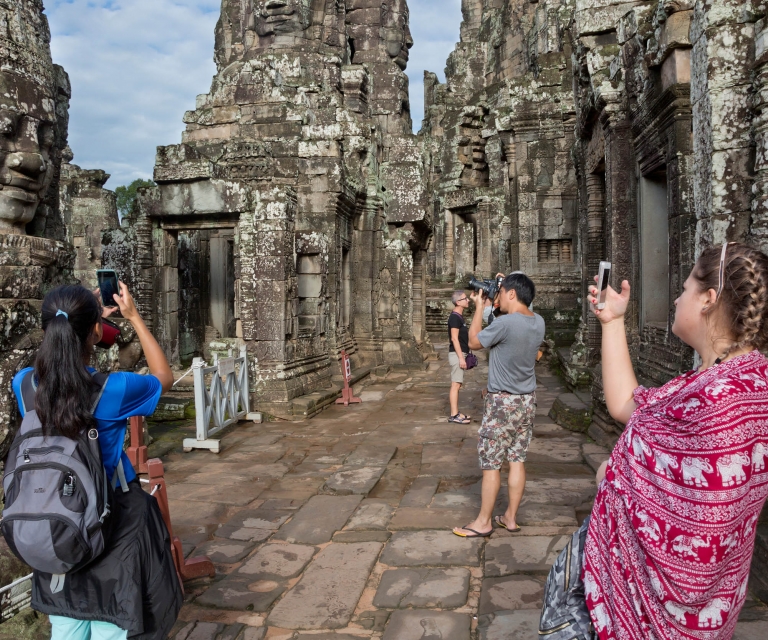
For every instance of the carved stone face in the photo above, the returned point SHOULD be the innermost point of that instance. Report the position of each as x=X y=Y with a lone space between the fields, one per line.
x=27 y=117
x=396 y=31
x=281 y=16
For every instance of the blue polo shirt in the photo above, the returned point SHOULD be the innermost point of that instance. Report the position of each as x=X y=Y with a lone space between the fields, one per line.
x=126 y=395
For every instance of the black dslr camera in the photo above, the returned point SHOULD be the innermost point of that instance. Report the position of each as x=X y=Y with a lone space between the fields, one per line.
x=490 y=288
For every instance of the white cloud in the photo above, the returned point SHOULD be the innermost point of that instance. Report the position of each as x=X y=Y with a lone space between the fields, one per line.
x=435 y=31
x=137 y=65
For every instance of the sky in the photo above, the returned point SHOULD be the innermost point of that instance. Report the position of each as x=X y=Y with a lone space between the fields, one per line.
x=136 y=66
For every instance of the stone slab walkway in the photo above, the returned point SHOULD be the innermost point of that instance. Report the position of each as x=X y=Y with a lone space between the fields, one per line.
x=338 y=528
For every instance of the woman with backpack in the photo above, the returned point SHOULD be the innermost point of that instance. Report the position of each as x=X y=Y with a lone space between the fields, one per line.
x=126 y=585
x=666 y=551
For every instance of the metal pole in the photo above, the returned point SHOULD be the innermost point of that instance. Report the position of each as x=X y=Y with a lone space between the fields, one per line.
x=201 y=423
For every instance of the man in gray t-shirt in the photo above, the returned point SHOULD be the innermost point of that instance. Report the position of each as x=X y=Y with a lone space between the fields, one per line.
x=510 y=406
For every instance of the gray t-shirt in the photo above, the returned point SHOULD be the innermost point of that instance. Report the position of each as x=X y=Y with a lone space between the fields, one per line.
x=514 y=341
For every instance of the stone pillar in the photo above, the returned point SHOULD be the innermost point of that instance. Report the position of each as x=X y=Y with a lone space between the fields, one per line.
x=592 y=257
x=465 y=252
x=166 y=286
x=450 y=238
x=268 y=290
x=759 y=226
x=367 y=226
x=510 y=153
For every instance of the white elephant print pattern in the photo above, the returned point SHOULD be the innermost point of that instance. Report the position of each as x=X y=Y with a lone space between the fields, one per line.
x=712 y=614
x=668 y=551
x=694 y=470
x=731 y=468
x=759 y=454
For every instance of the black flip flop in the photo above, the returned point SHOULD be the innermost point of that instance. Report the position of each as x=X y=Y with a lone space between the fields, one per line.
x=477 y=533
x=498 y=521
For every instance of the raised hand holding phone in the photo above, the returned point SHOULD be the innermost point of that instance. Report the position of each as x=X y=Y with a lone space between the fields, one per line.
x=608 y=304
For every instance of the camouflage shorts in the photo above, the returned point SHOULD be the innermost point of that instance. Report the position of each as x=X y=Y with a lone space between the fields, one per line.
x=507 y=429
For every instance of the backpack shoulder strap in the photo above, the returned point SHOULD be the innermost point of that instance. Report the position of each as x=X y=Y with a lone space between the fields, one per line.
x=28 y=389
x=101 y=380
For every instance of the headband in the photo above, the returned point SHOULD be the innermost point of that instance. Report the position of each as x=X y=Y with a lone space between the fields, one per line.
x=721 y=276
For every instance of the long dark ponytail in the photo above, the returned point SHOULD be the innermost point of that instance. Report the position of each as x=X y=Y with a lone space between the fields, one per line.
x=65 y=387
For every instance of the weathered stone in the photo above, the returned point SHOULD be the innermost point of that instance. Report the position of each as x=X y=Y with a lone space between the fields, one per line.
x=242 y=593
x=242 y=534
x=276 y=184
x=225 y=552
x=434 y=588
x=260 y=519
x=420 y=492
x=280 y=560
x=570 y=412
x=357 y=481
x=370 y=515
x=531 y=514
x=512 y=593
x=527 y=554
x=510 y=625
x=371 y=456
x=361 y=536
x=422 y=624
x=327 y=594
x=431 y=548
x=316 y=522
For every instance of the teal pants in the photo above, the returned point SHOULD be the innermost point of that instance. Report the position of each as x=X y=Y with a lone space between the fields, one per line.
x=71 y=629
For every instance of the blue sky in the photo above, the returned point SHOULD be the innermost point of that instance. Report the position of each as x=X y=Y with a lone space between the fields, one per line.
x=137 y=65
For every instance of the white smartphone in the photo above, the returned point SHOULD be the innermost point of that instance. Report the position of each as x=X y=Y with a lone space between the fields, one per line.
x=603 y=278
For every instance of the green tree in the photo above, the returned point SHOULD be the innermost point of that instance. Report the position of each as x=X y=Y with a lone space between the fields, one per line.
x=127 y=195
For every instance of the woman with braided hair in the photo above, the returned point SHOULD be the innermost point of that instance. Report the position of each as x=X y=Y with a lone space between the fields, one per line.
x=666 y=551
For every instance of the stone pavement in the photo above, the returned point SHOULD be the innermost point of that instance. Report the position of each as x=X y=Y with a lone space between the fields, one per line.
x=339 y=527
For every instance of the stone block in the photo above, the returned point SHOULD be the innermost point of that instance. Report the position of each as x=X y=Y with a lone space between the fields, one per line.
x=420 y=492
x=418 y=624
x=319 y=519
x=570 y=412
x=526 y=554
x=260 y=518
x=432 y=588
x=278 y=560
x=431 y=548
x=21 y=282
x=242 y=593
x=512 y=593
x=356 y=480
x=510 y=625
x=328 y=592
x=370 y=515
x=371 y=455
x=225 y=551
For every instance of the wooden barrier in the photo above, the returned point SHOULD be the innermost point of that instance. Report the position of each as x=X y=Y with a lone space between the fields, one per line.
x=347 y=395
x=137 y=452
x=187 y=569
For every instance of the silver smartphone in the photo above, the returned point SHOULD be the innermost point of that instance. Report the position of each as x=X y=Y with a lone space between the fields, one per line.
x=603 y=277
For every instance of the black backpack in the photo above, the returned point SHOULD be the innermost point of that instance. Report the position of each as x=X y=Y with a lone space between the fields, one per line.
x=57 y=494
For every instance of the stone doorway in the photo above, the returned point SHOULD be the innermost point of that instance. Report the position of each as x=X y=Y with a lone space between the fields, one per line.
x=206 y=264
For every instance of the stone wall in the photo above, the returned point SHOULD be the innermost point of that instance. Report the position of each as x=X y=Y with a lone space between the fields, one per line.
x=87 y=210
x=498 y=138
x=34 y=97
x=669 y=104
x=296 y=195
